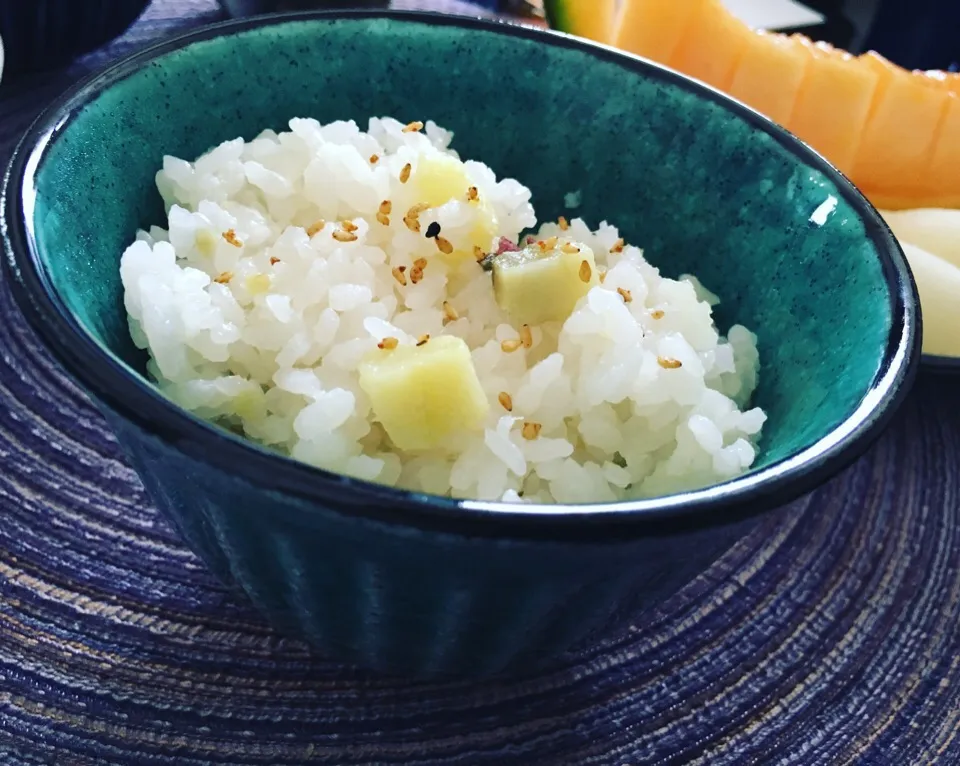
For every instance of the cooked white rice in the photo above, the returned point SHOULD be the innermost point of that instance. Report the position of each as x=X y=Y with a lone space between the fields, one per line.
x=257 y=316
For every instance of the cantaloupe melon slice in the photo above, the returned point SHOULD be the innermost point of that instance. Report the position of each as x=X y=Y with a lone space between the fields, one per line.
x=943 y=168
x=935 y=183
x=902 y=126
x=653 y=28
x=769 y=75
x=893 y=132
x=593 y=19
x=912 y=198
x=833 y=104
x=712 y=45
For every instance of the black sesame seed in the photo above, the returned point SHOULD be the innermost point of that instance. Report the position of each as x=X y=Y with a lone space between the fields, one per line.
x=433 y=230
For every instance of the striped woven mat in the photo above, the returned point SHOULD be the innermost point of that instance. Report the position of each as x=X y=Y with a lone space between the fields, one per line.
x=830 y=636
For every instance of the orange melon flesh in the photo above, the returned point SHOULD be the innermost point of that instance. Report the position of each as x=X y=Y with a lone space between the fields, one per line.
x=900 y=131
x=653 y=28
x=712 y=45
x=912 y=198
x=949 y=81
x=833 y=104
x=943 y=168
x=936 y=183
x=769 y=75
x=896 y=134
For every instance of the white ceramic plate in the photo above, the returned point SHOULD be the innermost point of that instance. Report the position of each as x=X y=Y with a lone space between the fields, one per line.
x=773 y=14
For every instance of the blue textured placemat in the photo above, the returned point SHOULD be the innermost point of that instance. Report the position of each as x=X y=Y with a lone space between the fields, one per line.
x=830 y=636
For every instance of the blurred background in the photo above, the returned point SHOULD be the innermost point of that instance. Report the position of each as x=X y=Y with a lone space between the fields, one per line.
x=44 y=35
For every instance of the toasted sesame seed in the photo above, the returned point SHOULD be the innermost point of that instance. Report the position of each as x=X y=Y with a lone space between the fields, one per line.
x=526 y=336
x=509 y=346
x=420 y=207
x=586 y=273
x=444 y=245
x=569 y=248
x=399 y=275
x=388 y=343
x=657 y=314
x=315 y=228
x=473 y=194
x=383 y=219
x=550 y=243
x=478 y=253
x=412 y=223
x=223 y=277
x=416 y=274
x=603 y=277
x=405 y=173
x=420 y=263
x=449 y=313
x=231 y=237
x=563 y=223
x=625 y=294
x=618 y=246
x=386 y=207
x=348 y=225
x=344 y=236
x=669 y=364
x=374 y=159
x=531 y=430
x=505 y=401
x=274 y=260
x=433 y=231
x=413 y=127
x=422 y=339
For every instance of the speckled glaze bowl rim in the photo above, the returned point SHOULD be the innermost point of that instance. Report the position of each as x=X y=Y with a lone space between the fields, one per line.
x=133 y=397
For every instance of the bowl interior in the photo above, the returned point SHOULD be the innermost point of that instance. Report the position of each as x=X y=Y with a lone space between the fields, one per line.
x=696 y=183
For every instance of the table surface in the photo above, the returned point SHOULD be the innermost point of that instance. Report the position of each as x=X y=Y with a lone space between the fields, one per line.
x=829 y=636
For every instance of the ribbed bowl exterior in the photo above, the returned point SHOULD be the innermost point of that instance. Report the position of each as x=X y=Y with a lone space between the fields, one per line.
x=407 y=601
x=46 y=34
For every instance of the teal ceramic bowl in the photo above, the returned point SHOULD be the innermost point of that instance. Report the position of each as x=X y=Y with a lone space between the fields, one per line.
x=409 y=583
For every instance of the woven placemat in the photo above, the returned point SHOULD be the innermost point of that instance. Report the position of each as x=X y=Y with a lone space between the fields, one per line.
x=830 y=636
